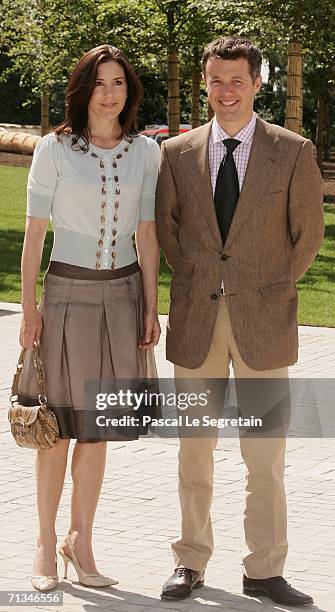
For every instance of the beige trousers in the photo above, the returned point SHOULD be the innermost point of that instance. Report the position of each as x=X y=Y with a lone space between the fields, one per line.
x=265 y=517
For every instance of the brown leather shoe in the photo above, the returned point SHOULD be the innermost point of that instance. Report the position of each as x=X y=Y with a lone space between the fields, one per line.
x=277 y=589
x=181 y=584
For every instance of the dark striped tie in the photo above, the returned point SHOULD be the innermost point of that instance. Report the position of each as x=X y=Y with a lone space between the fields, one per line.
x=227 y=189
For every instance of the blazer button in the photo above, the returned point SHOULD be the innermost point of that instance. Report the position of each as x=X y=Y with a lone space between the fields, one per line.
x=224 y=257
x=214 y=296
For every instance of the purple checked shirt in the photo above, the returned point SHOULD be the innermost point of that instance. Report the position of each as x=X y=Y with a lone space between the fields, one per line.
x=217 y=150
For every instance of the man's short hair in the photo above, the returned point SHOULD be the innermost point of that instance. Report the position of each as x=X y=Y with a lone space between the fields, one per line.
x=231 y=48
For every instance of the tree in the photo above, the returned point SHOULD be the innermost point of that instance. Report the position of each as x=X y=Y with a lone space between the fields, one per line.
x=291 y=26
x=164 y=39
x=295 y=23
x=43 y=39
x=169 y=29
x=205 y=22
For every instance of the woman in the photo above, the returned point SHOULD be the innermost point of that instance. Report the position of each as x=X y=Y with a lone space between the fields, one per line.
x=96 y=177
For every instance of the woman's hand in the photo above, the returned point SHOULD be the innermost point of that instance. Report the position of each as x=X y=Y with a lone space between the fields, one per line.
x=31 y=324
x=148 y=258
x=31 y=327
x=152 y=331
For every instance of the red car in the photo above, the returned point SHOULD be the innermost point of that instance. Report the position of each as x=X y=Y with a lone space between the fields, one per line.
x=161 y=132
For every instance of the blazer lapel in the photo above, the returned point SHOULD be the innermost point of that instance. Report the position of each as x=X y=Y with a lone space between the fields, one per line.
x=260 y=170
x=196 y=160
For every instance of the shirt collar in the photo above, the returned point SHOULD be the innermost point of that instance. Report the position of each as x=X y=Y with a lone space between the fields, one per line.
x=245 y=135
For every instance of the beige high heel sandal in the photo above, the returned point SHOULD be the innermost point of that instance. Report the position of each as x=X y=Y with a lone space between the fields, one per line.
x=94 y=580
x=45 y=583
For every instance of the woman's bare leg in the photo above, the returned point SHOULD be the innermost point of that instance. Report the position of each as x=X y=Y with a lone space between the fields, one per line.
x=50 y=474
x=88 y=468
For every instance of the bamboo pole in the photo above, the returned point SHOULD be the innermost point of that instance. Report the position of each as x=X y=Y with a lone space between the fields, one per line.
x=328 y=134
x=45 y=103
x=320 y=135
x=301 y=97
x=294 y=88
x=173 y=76
x=196 y=82
x=301 y=108
x=173 y=94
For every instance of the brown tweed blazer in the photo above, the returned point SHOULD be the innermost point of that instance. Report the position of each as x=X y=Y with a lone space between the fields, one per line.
x=275 y=234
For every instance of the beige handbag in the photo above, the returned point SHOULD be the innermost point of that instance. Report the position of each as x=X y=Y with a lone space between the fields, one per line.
x=32 y=426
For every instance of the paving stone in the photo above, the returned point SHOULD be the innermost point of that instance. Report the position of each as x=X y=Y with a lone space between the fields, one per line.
x=138 y=514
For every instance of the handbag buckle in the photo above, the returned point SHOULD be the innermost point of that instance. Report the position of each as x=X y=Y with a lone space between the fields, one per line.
x=37 y=361
x=42 y=399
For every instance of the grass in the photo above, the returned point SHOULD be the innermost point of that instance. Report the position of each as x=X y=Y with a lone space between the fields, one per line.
x=12 y=223
x=316 y=289
x=317 y=286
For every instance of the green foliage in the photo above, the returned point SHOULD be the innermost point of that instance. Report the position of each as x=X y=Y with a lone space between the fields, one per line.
x=316 y=288
x=12 y=223
x=17 y=103
x=42 y=39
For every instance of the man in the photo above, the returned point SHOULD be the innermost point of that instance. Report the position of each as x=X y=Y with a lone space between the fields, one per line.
x=239 y=218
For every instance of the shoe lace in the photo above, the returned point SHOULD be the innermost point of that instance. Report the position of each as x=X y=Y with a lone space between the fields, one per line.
x=181 y=571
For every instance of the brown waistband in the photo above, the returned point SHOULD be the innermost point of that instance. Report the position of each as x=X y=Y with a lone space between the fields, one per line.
x=58 y=268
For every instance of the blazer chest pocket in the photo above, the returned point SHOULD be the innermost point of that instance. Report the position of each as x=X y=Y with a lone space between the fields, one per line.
x=278 y=291
x=272 y=198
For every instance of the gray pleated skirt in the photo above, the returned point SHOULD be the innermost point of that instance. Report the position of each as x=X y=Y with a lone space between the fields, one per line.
x=88 y=346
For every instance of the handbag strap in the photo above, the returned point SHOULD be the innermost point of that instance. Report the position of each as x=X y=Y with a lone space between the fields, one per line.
x=38 y=364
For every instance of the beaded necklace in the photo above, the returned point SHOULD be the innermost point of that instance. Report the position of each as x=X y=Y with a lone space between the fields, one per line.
x=102 y=238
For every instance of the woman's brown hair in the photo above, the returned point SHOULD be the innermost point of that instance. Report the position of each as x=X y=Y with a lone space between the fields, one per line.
x=79 y=90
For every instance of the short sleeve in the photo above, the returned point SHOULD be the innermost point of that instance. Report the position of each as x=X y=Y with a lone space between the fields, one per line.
x=151 y=165
x=42 y=178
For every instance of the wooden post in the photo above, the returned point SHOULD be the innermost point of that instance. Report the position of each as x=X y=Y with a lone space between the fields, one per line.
x=301 y=109
x=319 y=141
x=173 y=76
x=196 y=82
x=45 y=127
x=301 y=98
x=294 y=88
x=328 y=132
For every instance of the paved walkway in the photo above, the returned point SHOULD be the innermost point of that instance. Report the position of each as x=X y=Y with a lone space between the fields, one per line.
x=138 y=515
